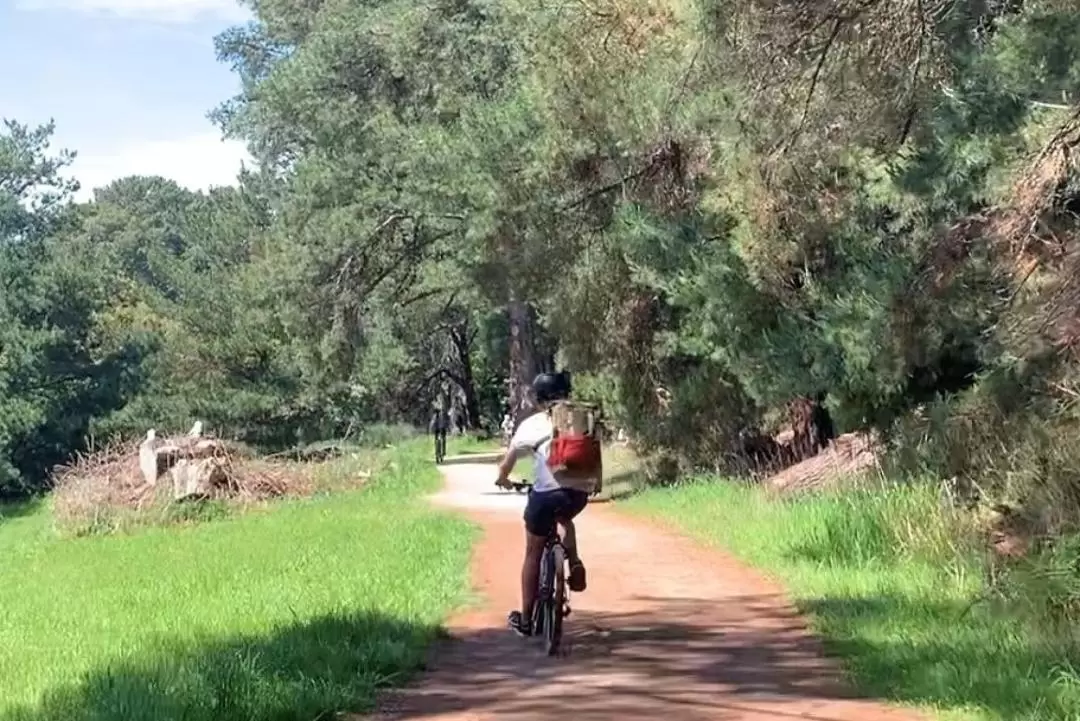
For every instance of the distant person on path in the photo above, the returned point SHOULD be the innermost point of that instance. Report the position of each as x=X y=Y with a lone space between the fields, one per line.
x=439 y=425
x=566 y=470
x=507 y=428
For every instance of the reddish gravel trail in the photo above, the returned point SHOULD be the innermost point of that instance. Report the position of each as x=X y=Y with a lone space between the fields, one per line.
x=667 y=631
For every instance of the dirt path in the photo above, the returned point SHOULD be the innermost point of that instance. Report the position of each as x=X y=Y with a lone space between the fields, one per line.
x=666 y=631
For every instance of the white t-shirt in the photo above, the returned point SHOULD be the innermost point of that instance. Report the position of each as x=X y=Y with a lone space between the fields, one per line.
x=534 y=435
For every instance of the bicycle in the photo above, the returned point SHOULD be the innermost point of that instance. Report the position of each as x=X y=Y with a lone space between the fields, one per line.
x=551 y=607
x=518 y=486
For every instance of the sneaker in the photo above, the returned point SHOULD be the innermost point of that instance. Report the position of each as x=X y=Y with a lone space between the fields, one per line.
x=519 y=624
x=576 y=579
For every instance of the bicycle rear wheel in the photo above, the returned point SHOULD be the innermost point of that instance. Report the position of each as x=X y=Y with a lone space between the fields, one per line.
x=553 y=604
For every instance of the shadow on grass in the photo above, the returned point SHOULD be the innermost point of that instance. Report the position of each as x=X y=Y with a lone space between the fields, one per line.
x=946 y=655
x=10 y=510
x=303 y=671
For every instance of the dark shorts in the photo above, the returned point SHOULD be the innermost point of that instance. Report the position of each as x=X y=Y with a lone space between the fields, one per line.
x=542 y=509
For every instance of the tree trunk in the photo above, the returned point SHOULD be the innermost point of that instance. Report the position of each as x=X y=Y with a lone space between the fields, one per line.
x=462 y=339
x=522 y=361
x=543 y=347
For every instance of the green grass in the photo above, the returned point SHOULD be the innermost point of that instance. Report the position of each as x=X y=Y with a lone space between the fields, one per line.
x=890 y=591
x=468 y=443
x=292 y=611
x=623 y=474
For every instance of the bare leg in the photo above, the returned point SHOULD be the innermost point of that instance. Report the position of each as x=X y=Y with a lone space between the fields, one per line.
x=569 y=539
x=576 y=579
x=530 y=572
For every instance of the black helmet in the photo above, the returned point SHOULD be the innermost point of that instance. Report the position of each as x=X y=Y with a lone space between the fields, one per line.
x=551 y=387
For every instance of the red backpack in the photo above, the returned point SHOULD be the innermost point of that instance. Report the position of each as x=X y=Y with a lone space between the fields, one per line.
x=574 y=456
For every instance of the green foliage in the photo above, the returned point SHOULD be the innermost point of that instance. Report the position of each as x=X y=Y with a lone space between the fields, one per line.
x=55 y=378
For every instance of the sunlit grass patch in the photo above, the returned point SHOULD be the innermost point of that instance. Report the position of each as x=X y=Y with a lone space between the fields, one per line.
x=294 y=610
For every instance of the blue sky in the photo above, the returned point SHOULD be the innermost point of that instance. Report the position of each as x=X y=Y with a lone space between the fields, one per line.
x=128 y=82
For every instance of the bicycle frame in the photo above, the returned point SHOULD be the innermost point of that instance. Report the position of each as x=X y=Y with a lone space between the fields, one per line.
x=548 y=609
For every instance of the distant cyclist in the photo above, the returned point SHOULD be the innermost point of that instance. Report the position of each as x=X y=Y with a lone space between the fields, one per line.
x=565 y=473
x=439 y=426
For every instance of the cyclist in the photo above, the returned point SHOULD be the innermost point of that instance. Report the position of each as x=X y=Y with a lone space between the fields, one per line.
x=548 y=501
x=439 y=425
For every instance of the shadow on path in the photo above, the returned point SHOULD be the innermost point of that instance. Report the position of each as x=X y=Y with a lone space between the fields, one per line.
x=656 y=663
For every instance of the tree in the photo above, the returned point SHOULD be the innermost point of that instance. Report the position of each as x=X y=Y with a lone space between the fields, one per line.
x=54 y=376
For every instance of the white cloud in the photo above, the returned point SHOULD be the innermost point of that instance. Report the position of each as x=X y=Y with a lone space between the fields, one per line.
x=197 y=162
x=163 y=11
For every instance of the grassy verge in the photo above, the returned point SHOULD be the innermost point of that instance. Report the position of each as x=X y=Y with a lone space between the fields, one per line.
x=292 y=611
x=890 y=591
x=468 y=443
x=623 y=475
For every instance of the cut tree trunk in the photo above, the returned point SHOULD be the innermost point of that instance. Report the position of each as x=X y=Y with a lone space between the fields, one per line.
x=198 y=478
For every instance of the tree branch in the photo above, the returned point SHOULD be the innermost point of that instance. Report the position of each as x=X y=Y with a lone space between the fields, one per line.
x=814 y=78
x=608 y=188
x=422 y=295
